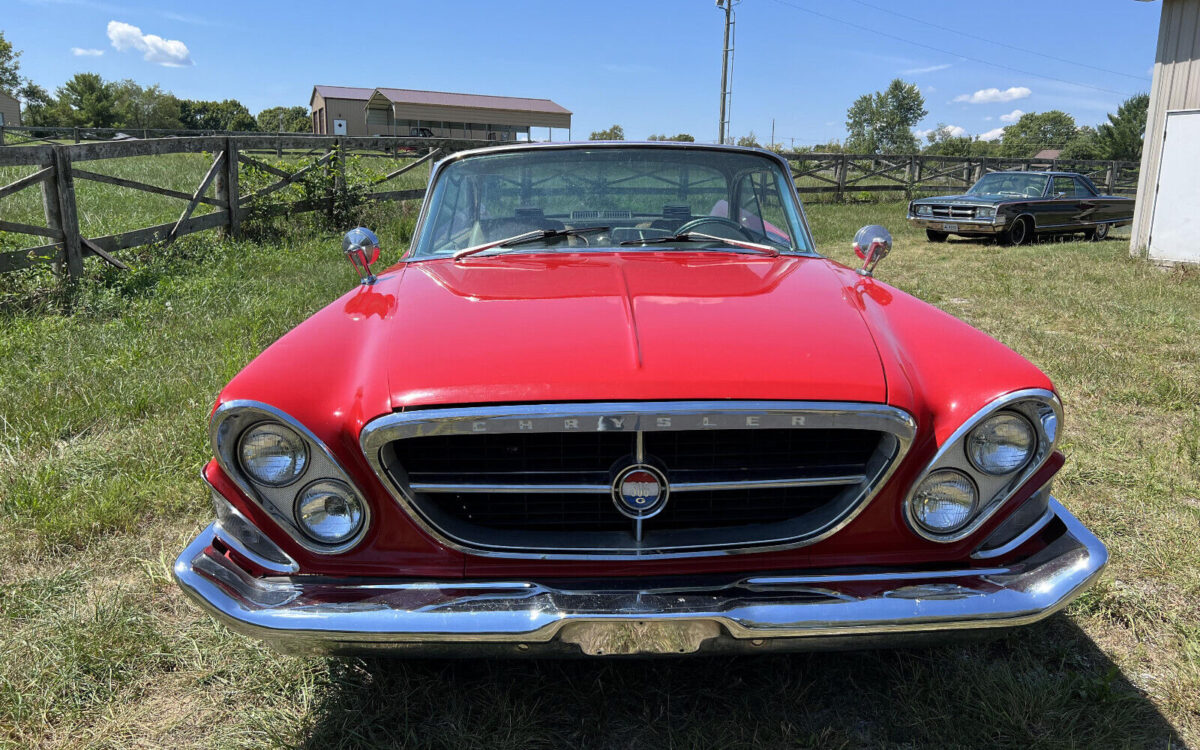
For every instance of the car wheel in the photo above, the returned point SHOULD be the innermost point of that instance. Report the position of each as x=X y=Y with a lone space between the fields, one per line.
x=1097 y=233
x=1017 y=234
x=935 y=236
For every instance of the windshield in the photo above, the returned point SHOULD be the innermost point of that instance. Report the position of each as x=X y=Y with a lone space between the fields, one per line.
x=634 y=194
x=1010 y=183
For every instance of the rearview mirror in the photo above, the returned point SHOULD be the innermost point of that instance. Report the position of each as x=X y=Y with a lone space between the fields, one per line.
x=361 y=247
x=872 y=244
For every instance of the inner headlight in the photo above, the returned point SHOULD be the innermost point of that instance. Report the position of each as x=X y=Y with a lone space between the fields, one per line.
x=985 y=213
x=924 y=210
x=945 y=501
x=1001 y=444
x=329 y=512
x=272 y=454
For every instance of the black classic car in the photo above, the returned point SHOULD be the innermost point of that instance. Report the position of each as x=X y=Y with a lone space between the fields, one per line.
x=1017 y=207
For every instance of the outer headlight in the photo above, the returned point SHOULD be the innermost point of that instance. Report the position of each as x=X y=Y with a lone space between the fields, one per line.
x=1001 y=444
x=328 y=511
x=272 y=454
x=945 y=501
x=985 y=213
x=924 y=210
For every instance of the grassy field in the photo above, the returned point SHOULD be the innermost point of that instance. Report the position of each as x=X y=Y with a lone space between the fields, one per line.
x=102 y=433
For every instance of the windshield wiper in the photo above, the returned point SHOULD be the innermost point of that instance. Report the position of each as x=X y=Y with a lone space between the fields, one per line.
x=524 y=238
x=701 y=237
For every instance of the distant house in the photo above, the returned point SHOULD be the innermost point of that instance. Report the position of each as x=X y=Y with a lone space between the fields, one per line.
x=341 y=110
x=1048 y=154
x=10 y=110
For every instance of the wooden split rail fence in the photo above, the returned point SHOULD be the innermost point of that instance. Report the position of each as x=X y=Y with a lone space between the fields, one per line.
x=56 y=170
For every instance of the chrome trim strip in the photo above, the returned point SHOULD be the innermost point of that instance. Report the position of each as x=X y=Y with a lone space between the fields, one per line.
x=299 y=615
x=1017 y=541
x=952 y=454
x=770 y=484
x=514 y=489
x=604 y=489
x=223 y=452
x=231 y=540
x=635 y=416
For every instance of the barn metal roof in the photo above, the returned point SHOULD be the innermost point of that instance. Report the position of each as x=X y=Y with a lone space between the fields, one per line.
x=479 y=101
x=343 y=92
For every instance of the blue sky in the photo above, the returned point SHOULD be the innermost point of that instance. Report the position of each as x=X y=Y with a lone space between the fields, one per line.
x=653 y=67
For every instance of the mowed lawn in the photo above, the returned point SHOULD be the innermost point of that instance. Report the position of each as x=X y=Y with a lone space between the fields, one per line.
x=102 y=434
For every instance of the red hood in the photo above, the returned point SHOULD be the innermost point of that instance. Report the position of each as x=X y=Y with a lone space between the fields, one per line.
x=637 y=326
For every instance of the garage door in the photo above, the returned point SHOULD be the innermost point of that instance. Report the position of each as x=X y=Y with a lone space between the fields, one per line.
x=1175 y=228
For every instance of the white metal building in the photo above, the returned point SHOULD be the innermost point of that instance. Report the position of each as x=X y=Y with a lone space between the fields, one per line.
x=1166 y=220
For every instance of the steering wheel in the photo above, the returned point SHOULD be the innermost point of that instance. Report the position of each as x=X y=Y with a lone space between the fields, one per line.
x=687 y=226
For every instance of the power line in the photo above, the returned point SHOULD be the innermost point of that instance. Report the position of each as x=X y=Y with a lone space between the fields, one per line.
x=1000 y=44
x=981 y=61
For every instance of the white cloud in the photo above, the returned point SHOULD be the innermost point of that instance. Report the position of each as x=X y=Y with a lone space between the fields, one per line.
x=954 y=131
x=991 y=135
x=929 y=69
x=991 y=96
x=169 y=52
x=81 y=52
x=1012 y=116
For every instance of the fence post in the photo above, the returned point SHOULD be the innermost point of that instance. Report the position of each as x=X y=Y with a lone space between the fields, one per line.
x=1110 y=177
x=68 y=215
x=1 y=135
x=75 y=134
x=231 y=198
x=842 y=168
x=912 y=176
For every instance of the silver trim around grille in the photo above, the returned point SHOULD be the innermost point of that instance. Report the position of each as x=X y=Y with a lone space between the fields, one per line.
x=601 y=489
x=639 y=417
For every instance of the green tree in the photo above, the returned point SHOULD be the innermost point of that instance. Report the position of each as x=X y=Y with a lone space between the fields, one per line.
x=1085 y=144
x=615 y=133
x=943 y=141
x=882 y=123
x=37 y=106
x=87 y=100
x=681 y=137
x=287 y=119
x=1036 y=131
x=229 y=114
x=749 y=139
x=1122 y=136
x=148 y=107
x=10 y=66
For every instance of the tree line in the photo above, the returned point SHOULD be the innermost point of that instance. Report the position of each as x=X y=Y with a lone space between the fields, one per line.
x=89 y=101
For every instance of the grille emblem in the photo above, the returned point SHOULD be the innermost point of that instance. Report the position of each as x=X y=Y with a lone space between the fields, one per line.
x=640 y=491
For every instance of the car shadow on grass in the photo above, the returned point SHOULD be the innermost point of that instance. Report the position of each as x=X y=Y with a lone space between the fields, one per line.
x=1043 y=686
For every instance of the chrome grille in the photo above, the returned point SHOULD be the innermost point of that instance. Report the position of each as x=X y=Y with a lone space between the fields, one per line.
x=537 y=480
x=954 y=212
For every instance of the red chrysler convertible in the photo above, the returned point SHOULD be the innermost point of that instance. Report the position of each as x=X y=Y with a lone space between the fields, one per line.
x=613 y=401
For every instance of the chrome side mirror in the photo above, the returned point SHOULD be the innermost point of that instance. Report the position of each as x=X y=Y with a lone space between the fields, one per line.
x=872 y=244
x=361 y=247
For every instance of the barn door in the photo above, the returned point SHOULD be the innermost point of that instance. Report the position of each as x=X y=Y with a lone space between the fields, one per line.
x=1175 y=226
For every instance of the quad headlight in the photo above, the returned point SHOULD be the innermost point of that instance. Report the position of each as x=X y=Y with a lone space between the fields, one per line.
x=1002 y=444
x=980 y=465
x=944 y=502
x=291 y=474
x=924 y=210
x=272 y=454
x=985 y=212
x=329 y=512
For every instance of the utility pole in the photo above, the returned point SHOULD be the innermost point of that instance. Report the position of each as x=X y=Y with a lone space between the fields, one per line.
x=726 y=59
x=772 y=146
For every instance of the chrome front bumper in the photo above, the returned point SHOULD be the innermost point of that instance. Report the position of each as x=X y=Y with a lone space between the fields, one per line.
x=965 y=226
x=809 y=610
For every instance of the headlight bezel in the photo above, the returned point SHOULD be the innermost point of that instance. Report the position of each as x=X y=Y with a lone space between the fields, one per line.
x=1041 y=408
x=232 y=420
x=985 y=212
x=923 y=209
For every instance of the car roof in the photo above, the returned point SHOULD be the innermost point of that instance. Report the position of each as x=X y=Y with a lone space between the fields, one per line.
x=1046 y=173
